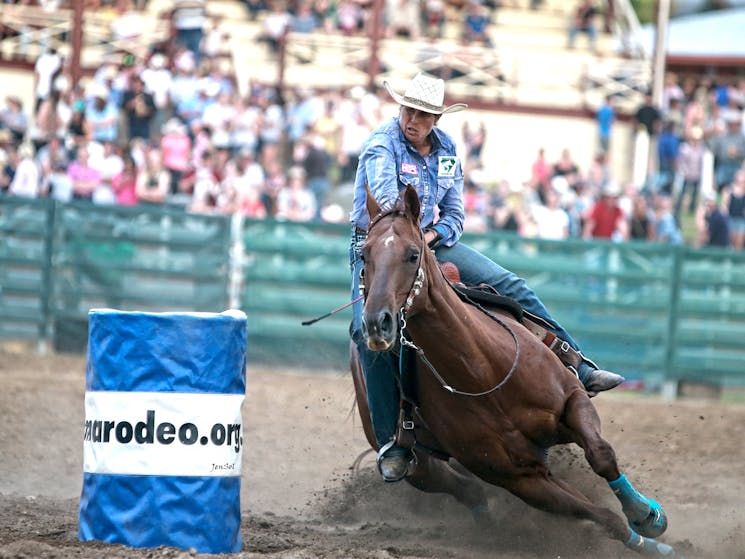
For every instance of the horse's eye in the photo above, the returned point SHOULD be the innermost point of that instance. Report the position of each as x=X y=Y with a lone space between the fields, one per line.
x=414 y=256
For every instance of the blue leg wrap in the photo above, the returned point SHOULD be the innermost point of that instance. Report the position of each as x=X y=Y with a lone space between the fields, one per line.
x=635 y=506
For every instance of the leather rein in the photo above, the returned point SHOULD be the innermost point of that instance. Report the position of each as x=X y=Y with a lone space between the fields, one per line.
x=414 y=291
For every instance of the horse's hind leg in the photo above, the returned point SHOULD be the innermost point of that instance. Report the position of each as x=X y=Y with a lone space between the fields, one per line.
x=433 y=475
x=645 y=515
x=546 y=493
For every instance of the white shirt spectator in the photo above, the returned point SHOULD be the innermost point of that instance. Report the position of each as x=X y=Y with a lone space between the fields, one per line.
x=26 y=180
x=245 y=130
x=60 y=185
x=276 y=22
x=219 y=115
x=252 y=178
x=157 y=80
x=46 y=66
x=551 y=222
x=109 y=166
x=273 y=124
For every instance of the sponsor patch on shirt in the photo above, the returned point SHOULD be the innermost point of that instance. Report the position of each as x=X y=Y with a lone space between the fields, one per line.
x=447 y=166
x=409 y=168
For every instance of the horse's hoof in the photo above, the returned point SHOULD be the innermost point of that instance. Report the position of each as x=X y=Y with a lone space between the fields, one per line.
x=655 y=524
x=649 y=547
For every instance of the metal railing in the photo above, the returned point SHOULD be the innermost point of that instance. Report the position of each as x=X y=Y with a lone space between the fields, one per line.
x=30 y=30
x=657 y=313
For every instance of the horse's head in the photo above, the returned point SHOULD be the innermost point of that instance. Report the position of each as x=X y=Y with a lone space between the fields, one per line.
x=393 y=256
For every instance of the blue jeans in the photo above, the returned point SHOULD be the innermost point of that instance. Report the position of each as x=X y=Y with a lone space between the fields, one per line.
x=592 y=35
x=380 y=368
x=319 y=186
x=475 y=268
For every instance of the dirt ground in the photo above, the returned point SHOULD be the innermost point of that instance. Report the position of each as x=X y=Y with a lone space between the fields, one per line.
x=301 y=497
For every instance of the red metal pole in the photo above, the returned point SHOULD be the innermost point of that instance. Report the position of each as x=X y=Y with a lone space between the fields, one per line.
x=282 y=62
x=375 y=33
x=77 y=42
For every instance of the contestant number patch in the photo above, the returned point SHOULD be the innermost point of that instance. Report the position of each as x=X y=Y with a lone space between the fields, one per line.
x=447 y=166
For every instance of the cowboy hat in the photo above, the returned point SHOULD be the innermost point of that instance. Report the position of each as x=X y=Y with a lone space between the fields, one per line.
x=425 y=93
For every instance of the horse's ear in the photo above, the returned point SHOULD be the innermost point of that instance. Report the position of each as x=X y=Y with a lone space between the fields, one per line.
x=373 y=209
x=411 y=201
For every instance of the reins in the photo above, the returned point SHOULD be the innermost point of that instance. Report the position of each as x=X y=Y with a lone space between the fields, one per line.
x=404 y=341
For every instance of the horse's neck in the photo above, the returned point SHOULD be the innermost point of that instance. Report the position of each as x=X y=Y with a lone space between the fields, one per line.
x=439 y=310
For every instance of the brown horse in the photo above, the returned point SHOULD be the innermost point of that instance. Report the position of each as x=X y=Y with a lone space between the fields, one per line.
x=490 y=394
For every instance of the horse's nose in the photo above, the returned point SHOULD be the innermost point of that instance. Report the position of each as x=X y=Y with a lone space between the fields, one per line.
x=379 y=327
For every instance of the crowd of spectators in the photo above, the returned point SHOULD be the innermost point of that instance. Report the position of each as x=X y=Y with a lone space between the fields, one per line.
x=173 y=129
x=561 y=198
x=474 y=19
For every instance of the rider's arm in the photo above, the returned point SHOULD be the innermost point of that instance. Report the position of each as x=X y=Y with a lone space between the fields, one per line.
x=379 y=163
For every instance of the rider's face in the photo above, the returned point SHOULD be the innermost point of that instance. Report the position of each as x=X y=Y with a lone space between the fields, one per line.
x=416 y=125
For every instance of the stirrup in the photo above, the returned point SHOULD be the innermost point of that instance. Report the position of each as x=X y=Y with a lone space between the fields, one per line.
x=401 y=467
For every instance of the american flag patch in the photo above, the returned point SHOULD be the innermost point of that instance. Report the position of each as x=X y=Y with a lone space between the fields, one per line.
x=409 y=168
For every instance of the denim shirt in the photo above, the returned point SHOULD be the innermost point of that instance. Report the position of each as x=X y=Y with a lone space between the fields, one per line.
x=388 y=162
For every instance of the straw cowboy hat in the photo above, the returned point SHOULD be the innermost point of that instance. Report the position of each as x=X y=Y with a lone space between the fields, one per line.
x=425 y=93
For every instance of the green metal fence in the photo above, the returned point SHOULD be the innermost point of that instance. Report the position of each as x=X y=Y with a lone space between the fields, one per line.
x=294 y=272
x=25 y=261
x=654 y=312
x=60 y=260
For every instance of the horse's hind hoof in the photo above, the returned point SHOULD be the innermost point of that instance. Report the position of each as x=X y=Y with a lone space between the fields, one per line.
x=650 y=547
x=654 y=525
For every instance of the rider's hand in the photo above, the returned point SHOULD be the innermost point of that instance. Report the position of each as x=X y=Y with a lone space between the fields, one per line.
x=429 y=236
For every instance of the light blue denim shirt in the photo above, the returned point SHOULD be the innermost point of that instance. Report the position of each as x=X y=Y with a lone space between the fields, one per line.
x=388 y=162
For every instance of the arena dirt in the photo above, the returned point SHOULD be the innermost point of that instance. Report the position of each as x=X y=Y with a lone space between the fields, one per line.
x=302 y=497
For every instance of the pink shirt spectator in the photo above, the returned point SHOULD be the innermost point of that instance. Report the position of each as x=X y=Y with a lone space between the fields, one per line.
x=85 y=179
x=175 y=147
x=124 y=185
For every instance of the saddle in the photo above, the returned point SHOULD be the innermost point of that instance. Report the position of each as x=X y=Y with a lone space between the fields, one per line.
x=488 y=297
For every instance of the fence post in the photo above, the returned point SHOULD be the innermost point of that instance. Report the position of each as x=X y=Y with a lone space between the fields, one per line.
x=236 y=261
x=670 y=384
x=46 y=277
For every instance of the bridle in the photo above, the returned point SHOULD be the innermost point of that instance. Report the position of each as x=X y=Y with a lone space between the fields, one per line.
x=405 y=341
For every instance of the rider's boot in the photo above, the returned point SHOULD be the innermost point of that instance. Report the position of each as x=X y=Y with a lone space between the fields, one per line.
x=394 y=462
x=596 y=380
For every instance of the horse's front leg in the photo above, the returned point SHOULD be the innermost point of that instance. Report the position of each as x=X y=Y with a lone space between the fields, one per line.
x=646 y=517
x=433 y=475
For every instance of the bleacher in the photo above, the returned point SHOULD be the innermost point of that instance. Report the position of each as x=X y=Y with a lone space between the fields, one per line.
x=529 y=65
x=529 y=83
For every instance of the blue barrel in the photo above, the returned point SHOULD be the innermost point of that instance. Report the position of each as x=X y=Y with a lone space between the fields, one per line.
x=163 y=437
